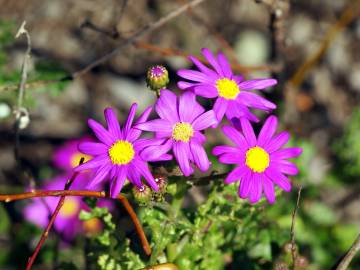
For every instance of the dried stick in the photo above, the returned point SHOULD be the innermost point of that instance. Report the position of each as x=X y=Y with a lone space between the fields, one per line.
x=52 y=221
x=85 y=193
x=292 y=230
x=345 y=261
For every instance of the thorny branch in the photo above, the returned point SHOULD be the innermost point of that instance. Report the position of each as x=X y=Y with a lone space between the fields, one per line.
x=292 y=230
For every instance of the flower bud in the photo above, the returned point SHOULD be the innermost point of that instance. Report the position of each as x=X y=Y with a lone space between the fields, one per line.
x=157 y=77
x=142 y=195
x=161 y=181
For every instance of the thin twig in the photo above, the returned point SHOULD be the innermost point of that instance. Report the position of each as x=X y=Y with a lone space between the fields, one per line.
x=346 y=260
x=292 y=230
x=52 y=220
x=84 y=193
x=146 y=29
x=20 y=111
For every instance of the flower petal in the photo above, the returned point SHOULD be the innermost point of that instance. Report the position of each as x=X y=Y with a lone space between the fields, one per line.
x=199 y=155
x=130 y=119
x=231 y=158
x=185 y=85
x=93 y=163
x=143 y=169
x=211 y=59
x=206 y=90
x=256 y=188
x=193 y=75
x=92 y=148
x=112 y=123
x=278 y=178
x=245 y=184
x=291 y=152
x=248 y=132
x=154 y=152
x=286 y=167
x=205 y=120
x=224 y=64
x=269 y=189
x=236 y=174
x=202 y=67
x=222 y=149
x=117 y=184
x=135 y=133
x=100 y=175
x=257 y=84
x=101 y=133
x=161 y=125
x=268 y=130
x=255 y=101
x=220 y=108
x=182 y=152
x=238 y=110
x=236 y=137
x=186 y=101
x=166 y=106
x=277 y=142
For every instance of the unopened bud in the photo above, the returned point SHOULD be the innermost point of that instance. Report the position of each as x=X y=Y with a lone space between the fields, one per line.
x=157 y=78
x=142 y=195
x=161 y=181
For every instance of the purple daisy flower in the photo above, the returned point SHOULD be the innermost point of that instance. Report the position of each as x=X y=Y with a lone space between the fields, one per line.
x=233 y=96
x=261 y=162
x=117 y=155
x=179 y=129
x=67 y=222
x=68 y=156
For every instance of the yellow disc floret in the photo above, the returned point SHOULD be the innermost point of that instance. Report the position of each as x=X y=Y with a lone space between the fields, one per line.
x=75 y=158
x=70 y=208
x=121 y=152
x=227 y=88
x=182 y=132
x=257 y=159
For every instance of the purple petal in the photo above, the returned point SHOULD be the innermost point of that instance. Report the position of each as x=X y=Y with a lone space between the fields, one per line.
x=93 y=149
x=256 y=188
x=257 y=84
x=236 y=174
x=248 y=132
x=100 y=175
x=199 y=155
x=268 y=130
x=93 y=163
x=225 y=66
x=112 y=123
x=154 y=152
x=269 y=189
x=211 y=59
x=236 y=137
x=222 y=149
x=130 y=119
x=134 y=133
x=205 y=120
x=220 y=107
x=186 y=101
x=245 y=184
x=143 y=169
x=156 y=125
x=287 y=153
x=193 y=75
x=140 y=144
x=100 y=132
x=278 y=178
x=166 y=106
x=182 y=152
x=117 y=184
x=231 y=158
x=238 y=78
x=202 y=67
x=276 y=142
x=185 y=85
x=206 y=90
x=134 y=176
x=199 y=136
x=285 y=167
x=238 y=110
x=255 y=101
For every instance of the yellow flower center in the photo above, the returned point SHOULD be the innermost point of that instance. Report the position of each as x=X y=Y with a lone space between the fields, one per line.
x=257 y=159
x=70 y=208
x=92 y=226
x=182 y=131
x=121 y=152
x=227 y=88
x=75 y=158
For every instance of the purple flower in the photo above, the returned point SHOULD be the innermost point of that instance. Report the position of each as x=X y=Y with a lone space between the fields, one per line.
x=233 y=96
x=261 y=162
x=116 y=155
x=179 y=129
x=67 y=222
x=68 y=156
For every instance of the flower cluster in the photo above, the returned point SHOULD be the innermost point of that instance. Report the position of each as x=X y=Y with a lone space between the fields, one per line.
x=67 y=223
x=179 y=129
